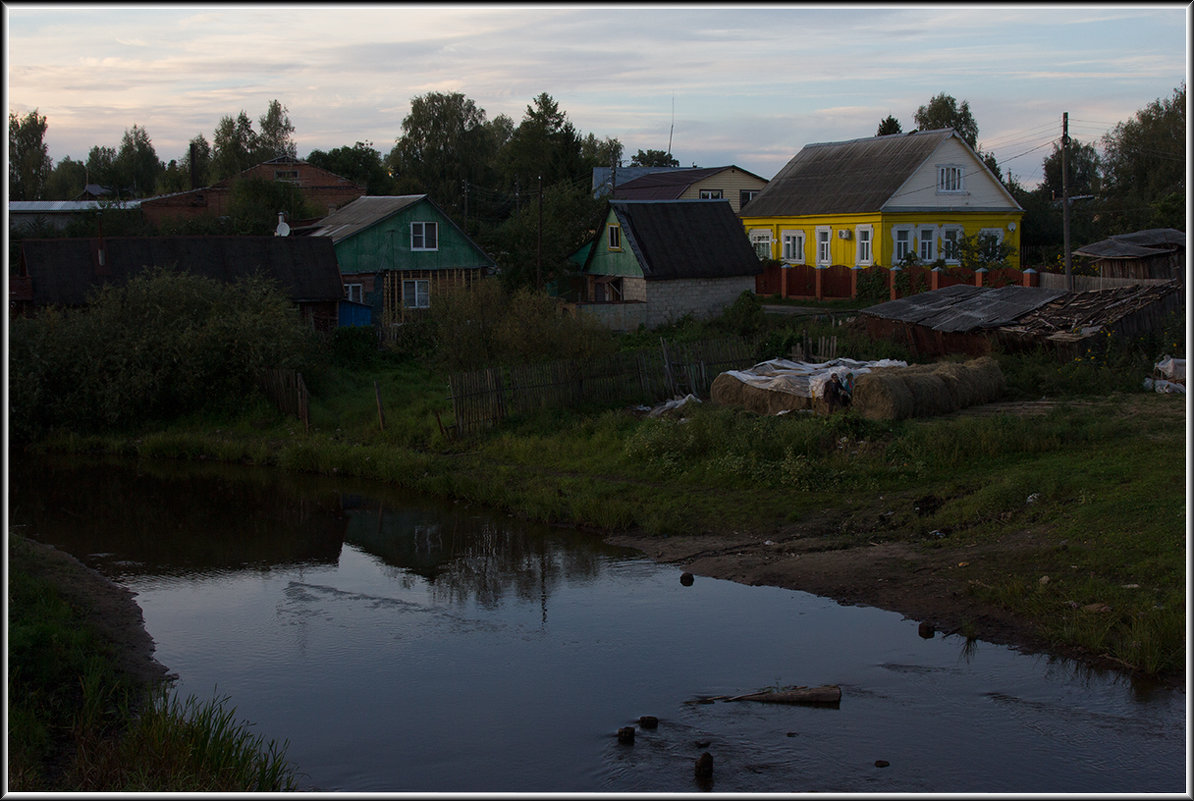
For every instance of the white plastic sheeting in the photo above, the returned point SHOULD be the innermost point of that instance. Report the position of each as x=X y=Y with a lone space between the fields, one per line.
x=805 y=379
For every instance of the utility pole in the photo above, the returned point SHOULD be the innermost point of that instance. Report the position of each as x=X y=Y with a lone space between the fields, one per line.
x=1065 y=197
x=539 y=241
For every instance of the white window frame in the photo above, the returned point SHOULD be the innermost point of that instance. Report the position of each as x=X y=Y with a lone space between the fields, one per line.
x=906 y=244
x=760 y=240
x=354 y=292
x=419 y=235
x=793 y=246
x=711 y=194
x=416 y=293
x=951 y=179
x=926 y=244
x=745 y=196
x=613 y=236
x=864 y=250
x=824 y=245
x=952 y=234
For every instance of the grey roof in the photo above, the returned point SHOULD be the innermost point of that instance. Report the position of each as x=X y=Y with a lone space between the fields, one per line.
x=352 y=218
x=965 y=308
x=1138 y=245
x=66 y=271
x=686 y=238
x=601 y=176
x=857 y=176
x=67 y=206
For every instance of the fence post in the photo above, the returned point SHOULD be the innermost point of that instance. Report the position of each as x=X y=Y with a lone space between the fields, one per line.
x=381 y=415
x=817 y=281
x=891 y=280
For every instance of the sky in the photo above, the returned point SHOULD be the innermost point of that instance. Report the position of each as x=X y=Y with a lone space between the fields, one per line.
x=747 y=85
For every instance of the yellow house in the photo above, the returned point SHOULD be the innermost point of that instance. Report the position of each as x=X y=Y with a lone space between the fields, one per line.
x=876 y=201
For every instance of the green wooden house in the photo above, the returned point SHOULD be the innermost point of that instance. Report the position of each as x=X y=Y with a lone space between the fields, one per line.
x=396 y=252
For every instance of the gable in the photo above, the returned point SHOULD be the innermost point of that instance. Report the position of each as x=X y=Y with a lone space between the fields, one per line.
x=981 y=190
x=682 y=239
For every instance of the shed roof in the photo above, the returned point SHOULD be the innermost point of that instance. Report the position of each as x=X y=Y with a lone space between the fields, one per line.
x=851 y=177
x=965 y=308
x=1138 y=245
x=686 y=238
x=354 y=217
x=64 y=271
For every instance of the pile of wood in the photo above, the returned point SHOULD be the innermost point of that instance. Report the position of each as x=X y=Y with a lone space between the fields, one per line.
x=924 y=390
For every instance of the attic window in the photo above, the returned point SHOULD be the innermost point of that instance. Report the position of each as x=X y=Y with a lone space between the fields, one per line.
x=615 y=237
x=286 y=176
x=423 y=236
x=949 y=178
x=711 y=194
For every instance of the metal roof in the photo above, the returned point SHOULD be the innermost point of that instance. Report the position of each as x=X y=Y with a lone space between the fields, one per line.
x=67 y=206
x=669 y=185
x=1138 y=245
x=965 y=308
x=354 y=217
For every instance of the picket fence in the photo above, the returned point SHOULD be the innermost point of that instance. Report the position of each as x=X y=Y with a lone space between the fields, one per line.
x=483 y=398
x=288 y=392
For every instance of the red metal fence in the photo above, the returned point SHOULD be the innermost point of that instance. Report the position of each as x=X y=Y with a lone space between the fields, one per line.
x=806 y=282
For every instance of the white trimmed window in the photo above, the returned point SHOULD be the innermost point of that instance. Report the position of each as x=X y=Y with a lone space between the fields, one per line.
x=824 y=238
x=863 y=252
x=711 y=194
x=614 y=237
x=745 y=196
x=416 y=293
x=423 y=236
x=760 y=240
x=901 y=244
x=926 y=239
x=950 y=178
x=354 y=292
x=951 y=244
x=793 y=247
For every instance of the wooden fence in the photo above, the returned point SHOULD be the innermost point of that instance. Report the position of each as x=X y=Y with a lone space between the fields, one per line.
x=288 y=392
x=483 y=398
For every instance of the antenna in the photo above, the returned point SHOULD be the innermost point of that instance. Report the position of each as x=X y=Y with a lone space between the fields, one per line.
x=673 y=126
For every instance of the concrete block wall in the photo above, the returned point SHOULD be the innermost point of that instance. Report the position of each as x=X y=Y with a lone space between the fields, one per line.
x=701 y=297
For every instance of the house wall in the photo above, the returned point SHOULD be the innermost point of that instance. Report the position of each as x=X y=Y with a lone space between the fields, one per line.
x=613 y=261
x=883 y=227
x=700 y=297
x=730 y=182
x=981 y=189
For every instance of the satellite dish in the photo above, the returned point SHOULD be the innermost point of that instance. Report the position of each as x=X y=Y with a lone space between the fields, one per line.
x=282 y=230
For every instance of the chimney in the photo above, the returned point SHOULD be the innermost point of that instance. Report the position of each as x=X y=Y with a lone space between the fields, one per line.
x=194 y=168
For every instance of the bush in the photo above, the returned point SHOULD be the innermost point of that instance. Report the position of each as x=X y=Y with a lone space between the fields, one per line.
x=163 y=345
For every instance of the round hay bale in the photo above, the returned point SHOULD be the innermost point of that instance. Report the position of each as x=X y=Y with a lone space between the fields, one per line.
x=988 y=379
x=882 y=395
x=959 y=383
x=727 y=390
x=930 y=396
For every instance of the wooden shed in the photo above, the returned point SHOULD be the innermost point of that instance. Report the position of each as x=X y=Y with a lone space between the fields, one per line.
x=1157 y=253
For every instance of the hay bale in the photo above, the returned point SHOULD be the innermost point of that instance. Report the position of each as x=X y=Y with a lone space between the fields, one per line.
x=988 y=379
x=883 y=395
x=727 y=390
x=930 y=396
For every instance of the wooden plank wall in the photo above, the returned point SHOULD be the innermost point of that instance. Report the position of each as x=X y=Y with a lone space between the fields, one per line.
x=483 y=398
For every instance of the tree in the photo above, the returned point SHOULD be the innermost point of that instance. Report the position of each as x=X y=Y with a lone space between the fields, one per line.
x=67 y=181
x=600 y=152
x=535 y=243
x=545 y=146
x=943 y=111
x=101 y=168
x=275 y=137
x=653 y=158
x=29 y=164
x=889 y=125
x=446 y=147
x=1145 y=166
x=1082 y=164
x=234 y=146
x=136 y=163
x=360 y=163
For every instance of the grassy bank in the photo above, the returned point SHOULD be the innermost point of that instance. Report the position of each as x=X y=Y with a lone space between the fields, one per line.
x=77 y=722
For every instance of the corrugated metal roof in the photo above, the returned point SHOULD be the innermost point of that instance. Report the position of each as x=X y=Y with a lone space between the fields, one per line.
x=361 y=213
x=965 y=308
x=686 y=238
x=856 y=176
x=1138 y=245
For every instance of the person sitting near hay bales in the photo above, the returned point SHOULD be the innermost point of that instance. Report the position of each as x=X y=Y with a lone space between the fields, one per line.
x=837 y=396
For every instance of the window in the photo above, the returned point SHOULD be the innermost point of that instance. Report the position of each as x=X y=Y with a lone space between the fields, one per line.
x=745 y=196
x=423 y=236
x=949 y=178
x=615 y=237
x=794 y=247
x=760 y=238
x=951 y=240
x=416 y=294
x=863 y=253
x=928 y=244
x=902 y=238
x=354 y=292
x=287 y=176
x=711 y=194
x=823 y=241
